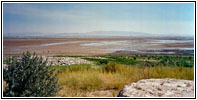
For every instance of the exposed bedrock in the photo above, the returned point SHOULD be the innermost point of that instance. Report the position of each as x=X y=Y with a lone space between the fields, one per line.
x=159 y=88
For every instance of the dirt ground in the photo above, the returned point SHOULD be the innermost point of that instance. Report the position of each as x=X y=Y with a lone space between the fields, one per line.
x=74 y=47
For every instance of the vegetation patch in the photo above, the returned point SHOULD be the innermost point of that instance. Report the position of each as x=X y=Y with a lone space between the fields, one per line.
x=112 y=72
x=148 y=60
x=113 y=76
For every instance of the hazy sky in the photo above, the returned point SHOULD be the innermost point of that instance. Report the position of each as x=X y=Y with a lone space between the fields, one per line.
x=157 y=18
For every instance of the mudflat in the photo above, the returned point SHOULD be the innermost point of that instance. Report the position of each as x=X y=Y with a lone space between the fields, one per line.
x=95 y=46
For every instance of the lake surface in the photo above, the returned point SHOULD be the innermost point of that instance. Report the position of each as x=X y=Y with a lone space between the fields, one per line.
x=136 y=45
x=59 y=43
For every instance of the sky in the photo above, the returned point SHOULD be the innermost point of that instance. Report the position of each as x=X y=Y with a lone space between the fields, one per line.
x=155 y=18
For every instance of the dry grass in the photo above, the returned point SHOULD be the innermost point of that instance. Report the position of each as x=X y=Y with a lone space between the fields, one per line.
x=113 y=77
x=4 y=85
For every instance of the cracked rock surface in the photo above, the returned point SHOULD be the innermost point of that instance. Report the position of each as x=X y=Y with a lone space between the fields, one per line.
x=159 y=88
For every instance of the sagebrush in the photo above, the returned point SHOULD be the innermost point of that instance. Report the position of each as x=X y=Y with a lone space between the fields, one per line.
x=29 y=76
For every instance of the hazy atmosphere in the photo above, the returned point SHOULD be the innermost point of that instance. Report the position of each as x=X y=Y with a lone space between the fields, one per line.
x=173 y=19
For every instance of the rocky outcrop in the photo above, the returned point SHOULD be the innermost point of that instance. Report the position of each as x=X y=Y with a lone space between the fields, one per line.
x=65 y=61
x=60 y=61
x=159 y=88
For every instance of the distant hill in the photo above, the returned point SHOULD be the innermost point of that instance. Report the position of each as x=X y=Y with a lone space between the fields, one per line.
x=88 y=34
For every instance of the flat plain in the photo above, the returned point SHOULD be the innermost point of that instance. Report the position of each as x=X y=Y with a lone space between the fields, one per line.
x=95 y=46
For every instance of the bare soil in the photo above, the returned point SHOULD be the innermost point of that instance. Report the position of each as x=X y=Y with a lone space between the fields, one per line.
x=74 y=47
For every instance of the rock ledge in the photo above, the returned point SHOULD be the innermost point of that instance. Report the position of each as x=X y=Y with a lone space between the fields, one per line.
x=159 y=88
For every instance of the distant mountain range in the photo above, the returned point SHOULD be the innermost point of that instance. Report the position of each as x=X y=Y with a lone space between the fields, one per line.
x=88 y=34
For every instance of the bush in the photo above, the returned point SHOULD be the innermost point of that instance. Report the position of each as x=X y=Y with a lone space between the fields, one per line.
x=114 y=67
x=102 y=61
x=111 y=67
x=29 y=76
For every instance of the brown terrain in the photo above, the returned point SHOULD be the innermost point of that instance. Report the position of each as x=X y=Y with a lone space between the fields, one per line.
x=91 y=46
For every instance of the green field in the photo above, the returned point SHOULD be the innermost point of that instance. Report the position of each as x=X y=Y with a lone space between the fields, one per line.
x=148 y=60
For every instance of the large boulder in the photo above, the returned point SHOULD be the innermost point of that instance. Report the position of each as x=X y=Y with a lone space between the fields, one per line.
x=159 y=88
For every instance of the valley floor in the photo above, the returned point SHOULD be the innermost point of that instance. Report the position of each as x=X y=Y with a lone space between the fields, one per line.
x=95 y=46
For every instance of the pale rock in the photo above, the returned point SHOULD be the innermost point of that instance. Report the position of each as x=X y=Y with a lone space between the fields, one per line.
x=159 y=88
x=65 y=61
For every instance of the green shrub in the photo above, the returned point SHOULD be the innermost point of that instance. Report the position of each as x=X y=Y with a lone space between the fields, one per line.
x=29 y=77
x=102 y=61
